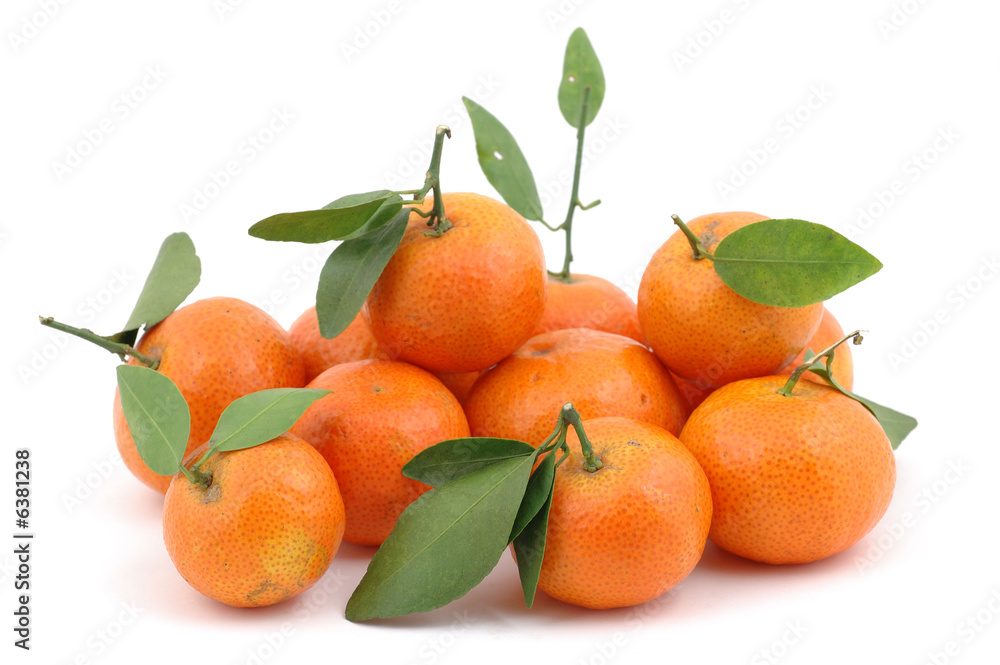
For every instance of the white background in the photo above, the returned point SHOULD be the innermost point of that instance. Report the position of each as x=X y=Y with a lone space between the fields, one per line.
x=913 y=104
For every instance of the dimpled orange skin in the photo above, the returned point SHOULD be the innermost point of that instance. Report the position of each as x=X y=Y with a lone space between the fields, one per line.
x=692 y=393
x=703 y=330
x=589 y=302
x=216 y=350
x=459 y=383
x=628 y=532
x=266 y=528
x=381 y=413
x=602 y=374
x=465 y=300
x=828 y=333
x=794 y=479
x=319 y=353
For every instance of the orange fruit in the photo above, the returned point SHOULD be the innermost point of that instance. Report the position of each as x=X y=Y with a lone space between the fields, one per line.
x=319 y=353
x=216 y=350
x=828 y=333
x=602 y=374
x=263 y=531
x=703 y=330
x=794 y=479
x=381 y=413
x=459 y=383
x=589 y=302
x=628 y=532
x=692 y=393
x=465 y=300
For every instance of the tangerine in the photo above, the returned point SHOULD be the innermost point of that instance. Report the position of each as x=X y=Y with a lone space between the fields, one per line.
x=264 y=529
x=466 y=299
x=601 y=373
x=794 y=478
x=704 y=331
x=381 y=413
x=629 y=531
x=319 y=353
x=691 y=392
x=216 y=350
x=586 y=301
x=459 y=383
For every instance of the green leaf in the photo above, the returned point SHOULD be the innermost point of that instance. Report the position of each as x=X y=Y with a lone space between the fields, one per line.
x=352 y=200
x=175 y=273
x=351 y=271
x=335 y=221
x=897 y=425
x=529 y=545
x=581 y=70
x=450 y=459
x=385 y=214
x=791 y=262
x=443 y=544
x=538 y=492
x=157 y=415
x=503 y=163
x=259 y=417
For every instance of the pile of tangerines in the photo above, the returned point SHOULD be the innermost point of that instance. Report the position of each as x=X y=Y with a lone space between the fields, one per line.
x=425 y=426
x=464 y=334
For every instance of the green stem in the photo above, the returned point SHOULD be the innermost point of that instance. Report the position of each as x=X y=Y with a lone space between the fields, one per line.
x=574 y=200
x=119 y=349
x=556 y=439
x=197 y=477
x=208 y=453
x=591 y=461
x=826 y=353
x=432 y=182
x=698 y=250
